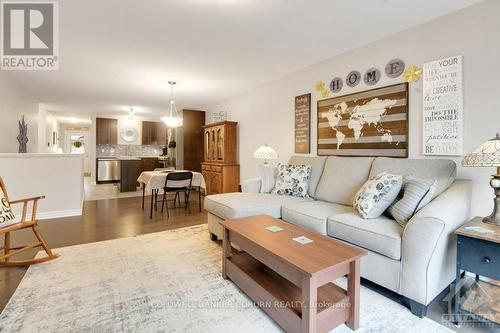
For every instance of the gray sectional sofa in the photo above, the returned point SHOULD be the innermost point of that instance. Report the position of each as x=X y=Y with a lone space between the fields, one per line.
x=417 y=262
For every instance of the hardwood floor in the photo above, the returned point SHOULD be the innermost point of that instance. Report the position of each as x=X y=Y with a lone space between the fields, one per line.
x=101 y=220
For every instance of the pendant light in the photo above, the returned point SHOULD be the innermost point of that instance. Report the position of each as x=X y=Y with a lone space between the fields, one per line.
x=131 y=113
x=172 y=119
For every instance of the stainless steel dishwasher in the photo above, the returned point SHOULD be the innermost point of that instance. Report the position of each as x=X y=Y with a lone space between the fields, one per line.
x=108 y=170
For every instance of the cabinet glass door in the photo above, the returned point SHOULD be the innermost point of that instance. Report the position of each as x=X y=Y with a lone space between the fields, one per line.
x=220 y=144
x=207 y=145
x=212 y=145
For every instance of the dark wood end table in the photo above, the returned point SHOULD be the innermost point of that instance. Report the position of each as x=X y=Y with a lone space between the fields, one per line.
x=479 y=253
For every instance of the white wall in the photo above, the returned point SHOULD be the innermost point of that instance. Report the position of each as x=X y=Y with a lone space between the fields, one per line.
x=266 y=113
x=57 y=176
x=13 y=104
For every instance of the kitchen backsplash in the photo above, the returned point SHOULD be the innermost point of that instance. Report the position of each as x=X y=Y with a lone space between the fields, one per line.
x=128 y=150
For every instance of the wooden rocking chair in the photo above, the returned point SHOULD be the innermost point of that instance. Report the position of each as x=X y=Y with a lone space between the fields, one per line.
x=5 y=259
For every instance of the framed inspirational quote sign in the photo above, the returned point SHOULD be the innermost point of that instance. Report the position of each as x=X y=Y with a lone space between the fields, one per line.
x=443 y=107
x=303 y=124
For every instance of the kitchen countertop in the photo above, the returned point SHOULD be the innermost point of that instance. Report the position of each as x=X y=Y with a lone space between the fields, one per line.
x=124 y=158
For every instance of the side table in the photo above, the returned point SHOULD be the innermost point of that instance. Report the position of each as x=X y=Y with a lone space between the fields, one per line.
x=478 y=251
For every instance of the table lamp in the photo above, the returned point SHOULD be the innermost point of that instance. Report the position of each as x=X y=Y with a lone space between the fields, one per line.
x=488 y=155
x=266 y=153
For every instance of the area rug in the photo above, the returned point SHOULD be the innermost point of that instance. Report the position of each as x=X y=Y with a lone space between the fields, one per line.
x=162 y=282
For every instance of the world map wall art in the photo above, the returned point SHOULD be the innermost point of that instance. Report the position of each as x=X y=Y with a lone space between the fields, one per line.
x=367 y=123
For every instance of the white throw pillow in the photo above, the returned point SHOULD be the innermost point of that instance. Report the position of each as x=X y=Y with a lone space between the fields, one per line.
x=293 y=180
x=7 y=217
x=377 y=194
x=268 y=175
x=414 y=195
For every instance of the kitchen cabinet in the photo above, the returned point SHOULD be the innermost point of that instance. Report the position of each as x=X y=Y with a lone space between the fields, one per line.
x=154 y=133
x=106 y=131
x=129 y=172
x=149 y=163
x=130 y=169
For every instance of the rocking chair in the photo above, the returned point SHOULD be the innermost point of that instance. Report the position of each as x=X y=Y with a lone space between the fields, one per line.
x=5 y=259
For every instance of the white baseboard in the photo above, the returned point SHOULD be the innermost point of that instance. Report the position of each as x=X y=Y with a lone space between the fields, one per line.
x=53 y=214
x=60 y=213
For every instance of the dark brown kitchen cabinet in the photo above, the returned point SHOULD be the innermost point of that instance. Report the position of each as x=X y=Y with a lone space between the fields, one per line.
x=150 y=163
x=106 y=131
x=161 y=133
x=129 y=172
x=154 y=133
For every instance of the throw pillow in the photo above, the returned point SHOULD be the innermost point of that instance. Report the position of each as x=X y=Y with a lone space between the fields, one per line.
x=377 y=194
x=268 y=175
x=415 y=194
x=7 y=217
x=292 y=180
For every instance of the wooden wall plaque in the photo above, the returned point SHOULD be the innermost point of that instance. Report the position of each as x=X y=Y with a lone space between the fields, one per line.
x=368 y=123
x=303 y=124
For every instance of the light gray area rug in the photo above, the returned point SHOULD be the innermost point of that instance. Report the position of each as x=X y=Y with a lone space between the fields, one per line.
x=162 y=282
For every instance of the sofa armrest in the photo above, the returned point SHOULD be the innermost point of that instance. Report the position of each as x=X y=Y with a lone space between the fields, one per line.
x=429 y=244
x=251 y=185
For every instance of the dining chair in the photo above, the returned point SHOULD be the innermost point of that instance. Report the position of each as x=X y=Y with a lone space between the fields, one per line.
x=177 y=182
x=9 y=223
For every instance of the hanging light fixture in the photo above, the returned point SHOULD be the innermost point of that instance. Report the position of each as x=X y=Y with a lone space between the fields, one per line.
x=172 y=119
x=131 y=112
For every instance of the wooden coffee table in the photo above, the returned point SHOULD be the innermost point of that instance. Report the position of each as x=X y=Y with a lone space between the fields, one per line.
x=291 y=282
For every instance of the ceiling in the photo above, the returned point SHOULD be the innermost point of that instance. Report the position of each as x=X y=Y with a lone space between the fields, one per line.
x=118 y=53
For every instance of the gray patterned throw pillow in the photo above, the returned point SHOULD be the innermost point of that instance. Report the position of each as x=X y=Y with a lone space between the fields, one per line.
x=292 y=180
x=415 y=194
x=377 y=194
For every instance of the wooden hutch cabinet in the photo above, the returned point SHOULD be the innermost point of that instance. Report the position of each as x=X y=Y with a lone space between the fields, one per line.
x=220 y=170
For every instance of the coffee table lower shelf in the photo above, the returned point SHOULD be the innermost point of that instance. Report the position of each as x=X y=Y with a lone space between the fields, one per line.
x=281 y=299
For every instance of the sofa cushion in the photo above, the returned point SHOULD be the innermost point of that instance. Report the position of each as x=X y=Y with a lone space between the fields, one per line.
x=415 y=194
x=342 y=178
x=381 y=235
x=236 y=205
x=292 y=180
x=311 y=215
x=317 y=163
x=268 y=175
x=377 y=194
x=442 y=170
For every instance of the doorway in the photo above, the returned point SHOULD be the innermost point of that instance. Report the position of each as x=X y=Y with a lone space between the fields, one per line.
x=77 y=142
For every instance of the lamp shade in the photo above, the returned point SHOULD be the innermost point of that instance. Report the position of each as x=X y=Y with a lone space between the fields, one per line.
x=266 y=153
x=486 y=155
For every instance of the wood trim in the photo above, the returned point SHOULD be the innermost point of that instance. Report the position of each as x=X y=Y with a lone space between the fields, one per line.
x=220 y=123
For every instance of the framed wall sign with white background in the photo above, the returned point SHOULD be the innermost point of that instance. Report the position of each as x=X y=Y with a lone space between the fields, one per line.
x=443 y=107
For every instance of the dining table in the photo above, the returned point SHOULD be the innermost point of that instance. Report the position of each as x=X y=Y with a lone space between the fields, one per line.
x=154 y=181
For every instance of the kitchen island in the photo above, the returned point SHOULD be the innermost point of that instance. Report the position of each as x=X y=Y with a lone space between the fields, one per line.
x=124 y=170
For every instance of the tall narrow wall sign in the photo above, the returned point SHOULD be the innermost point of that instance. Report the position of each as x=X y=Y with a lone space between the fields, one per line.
x=443 y=107
x=303 y=124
